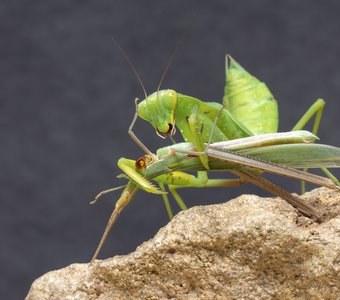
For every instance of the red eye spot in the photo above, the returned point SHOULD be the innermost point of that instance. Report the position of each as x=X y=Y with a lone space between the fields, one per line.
x=140 y=163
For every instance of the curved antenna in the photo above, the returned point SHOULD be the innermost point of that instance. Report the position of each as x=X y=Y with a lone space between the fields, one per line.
x=130 y=132
x=168 y=64
x=178 y=44
x=127 y=58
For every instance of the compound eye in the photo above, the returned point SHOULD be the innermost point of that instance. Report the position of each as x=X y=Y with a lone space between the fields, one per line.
x=170 y=128
x=141 y=163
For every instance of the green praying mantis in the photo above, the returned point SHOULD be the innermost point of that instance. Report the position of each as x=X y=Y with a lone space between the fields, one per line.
x=238 y=136
x=248 y=109
x=278 y=153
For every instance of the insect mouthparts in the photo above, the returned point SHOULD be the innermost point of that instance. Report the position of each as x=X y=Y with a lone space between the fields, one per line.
x=161 y=135
x=170 y=127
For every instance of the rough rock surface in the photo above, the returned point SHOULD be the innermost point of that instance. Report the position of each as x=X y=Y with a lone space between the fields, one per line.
x=248 y=248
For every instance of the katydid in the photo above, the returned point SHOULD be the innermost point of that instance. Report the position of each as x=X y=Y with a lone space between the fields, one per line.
x=248 y=109
x=245 y=157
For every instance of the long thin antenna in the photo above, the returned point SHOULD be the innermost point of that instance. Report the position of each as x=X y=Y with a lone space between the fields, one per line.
x=127 y=58
x=168 y=64
x=178 y=44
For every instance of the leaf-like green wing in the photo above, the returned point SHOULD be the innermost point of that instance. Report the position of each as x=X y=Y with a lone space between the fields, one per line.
x=298 y=155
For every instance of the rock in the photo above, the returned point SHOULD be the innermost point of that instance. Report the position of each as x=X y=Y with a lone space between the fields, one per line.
x=247 y=248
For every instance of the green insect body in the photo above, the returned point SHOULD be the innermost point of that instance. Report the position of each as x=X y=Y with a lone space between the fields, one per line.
x=250 y=100
x=170 y=164
x=167 y=108
x=249 y=109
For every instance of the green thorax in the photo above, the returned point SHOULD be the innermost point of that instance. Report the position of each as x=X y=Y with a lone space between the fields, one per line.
x=167 y=108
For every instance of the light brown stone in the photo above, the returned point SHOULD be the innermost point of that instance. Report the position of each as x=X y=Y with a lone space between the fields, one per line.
x=247 y=248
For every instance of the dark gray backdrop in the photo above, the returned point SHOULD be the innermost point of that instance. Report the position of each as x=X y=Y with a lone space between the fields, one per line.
x=67 y=100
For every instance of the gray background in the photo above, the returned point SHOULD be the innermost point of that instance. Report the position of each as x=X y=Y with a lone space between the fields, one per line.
x=66 y=97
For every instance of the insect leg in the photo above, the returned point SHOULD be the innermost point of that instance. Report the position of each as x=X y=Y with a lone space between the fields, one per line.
x=132 y=134
x=267 y=185
x=166 y=201
x=210 y=183
x=177 y=197
x=214 y=125
x=128 y=167
x=122 y=202
x=102 y=193
x=317 y=110
x=196 y=127
x=178 y=179
x=203 y=129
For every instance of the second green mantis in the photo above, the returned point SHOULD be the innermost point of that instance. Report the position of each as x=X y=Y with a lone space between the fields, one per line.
x=278 y=153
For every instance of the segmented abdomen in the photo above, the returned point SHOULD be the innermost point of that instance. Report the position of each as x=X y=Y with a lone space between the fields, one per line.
x=249 y=100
